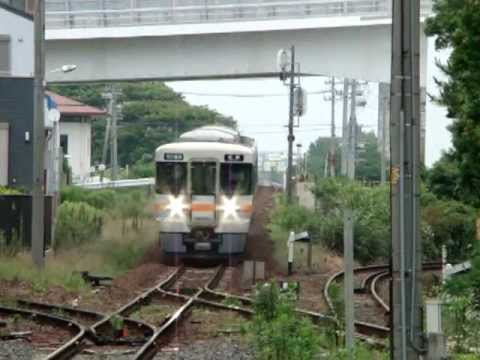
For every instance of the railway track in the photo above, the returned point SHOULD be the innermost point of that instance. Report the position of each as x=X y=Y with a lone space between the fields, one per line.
x=65 y=351
x=367 y=280
x=183 y=288
x=180 y=291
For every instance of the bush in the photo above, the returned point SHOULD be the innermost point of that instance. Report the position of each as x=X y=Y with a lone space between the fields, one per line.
x=291 y=217
x=100 y=199
x=449 y=223
x=131 y=206
x=77 y=223
x=142 y=170
x=371 y=212
x=277 y=332
x=9 y=191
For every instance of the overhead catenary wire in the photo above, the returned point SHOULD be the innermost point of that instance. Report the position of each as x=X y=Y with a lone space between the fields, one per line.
x=193 y=93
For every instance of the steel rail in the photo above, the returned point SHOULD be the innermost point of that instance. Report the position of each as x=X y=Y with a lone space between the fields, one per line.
x=137 y=302
x=373 y=290
x=361 y=326
x=149 y=350
x=67 y=350
x=315 y=316
x=380 y=277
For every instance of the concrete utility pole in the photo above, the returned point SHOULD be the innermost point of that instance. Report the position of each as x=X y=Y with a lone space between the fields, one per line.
x=106 y=140
x=383 y=99
x=406 y=299
x=345 y=130
x=291 y=138
x=352 y=133
x=332 y=156
x=348 y=231
x=38 y=209
x=112 y=95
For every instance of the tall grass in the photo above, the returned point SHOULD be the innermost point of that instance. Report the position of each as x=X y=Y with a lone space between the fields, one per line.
x=112 y=254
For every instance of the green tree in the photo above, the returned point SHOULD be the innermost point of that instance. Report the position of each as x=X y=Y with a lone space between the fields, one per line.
x=318 y=156
x=456 y=25
x=368 y=157
x=443 y=179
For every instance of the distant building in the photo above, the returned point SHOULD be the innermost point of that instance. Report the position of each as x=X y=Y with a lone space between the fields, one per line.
x=76 y=133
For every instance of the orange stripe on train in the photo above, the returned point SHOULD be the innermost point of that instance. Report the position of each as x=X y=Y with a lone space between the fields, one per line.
x=203 y=207
x=246 y=208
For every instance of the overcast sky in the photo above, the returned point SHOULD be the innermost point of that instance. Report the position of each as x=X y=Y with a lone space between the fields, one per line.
x=264 y=118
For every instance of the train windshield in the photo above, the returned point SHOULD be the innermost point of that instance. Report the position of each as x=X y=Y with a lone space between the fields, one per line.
x=236 y=179
x=171 y=177
x=203 y=178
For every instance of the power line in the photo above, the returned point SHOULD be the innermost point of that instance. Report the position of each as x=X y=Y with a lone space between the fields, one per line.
x=318 y=92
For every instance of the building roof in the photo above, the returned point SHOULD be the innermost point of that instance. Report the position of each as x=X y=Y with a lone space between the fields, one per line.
x=70 y=107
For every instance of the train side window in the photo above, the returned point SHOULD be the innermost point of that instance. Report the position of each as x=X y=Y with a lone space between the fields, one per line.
x=236 y=179
x=203 y=178
x=171 y=177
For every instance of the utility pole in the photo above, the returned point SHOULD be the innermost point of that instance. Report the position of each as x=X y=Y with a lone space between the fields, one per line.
x=352 y=133
x=332 y=155
x=406 y=299
x=106 y=140
x=383 y=98
x=345 y=129
x=291 y=138
x=114 y=149
x=38 y=210
x=348 y=231
x=111 y=95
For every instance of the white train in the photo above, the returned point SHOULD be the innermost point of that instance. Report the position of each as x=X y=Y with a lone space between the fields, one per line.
x=205 y=185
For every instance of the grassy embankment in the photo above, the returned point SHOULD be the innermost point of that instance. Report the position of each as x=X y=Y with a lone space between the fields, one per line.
x=109 y=242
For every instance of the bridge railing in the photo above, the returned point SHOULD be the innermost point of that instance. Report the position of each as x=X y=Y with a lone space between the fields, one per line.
x=113 y=13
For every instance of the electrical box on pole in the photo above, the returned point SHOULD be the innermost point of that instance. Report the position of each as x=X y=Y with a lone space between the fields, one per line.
x=406 y=299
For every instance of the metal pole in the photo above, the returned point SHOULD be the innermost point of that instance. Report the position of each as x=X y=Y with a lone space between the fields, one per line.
x=291 y=138
x=114 y=148
x=383 y=95
x=107 y=137
x=348 y=230
x=332 y=139
x=405 y=182
x=352 y=133
x=37 y=238
x=345 y=131
x=348 y=285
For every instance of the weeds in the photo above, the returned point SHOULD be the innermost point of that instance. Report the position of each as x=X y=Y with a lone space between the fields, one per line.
x=77 y=223
x=277 y=332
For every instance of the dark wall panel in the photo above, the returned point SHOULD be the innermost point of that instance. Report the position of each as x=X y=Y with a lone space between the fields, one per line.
x=16 y=108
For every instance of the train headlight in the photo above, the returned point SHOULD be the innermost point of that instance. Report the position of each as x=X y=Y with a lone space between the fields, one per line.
x=229 y=207
x=177 y=206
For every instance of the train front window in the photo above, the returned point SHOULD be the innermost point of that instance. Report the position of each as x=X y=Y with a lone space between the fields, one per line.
x=236 y=179
x=203 y=178
x=171 y=177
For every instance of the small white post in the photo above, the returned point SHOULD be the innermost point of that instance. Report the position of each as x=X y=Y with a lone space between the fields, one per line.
x=290 y=246
x=437 y=341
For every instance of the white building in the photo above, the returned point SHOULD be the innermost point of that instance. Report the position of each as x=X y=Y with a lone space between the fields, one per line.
x=16 y=42
x=75 y=133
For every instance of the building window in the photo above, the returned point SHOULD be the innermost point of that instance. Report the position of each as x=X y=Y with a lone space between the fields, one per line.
x=64 y=143
x=4 y=55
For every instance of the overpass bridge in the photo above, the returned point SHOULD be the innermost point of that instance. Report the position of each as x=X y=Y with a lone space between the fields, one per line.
x=115 y=40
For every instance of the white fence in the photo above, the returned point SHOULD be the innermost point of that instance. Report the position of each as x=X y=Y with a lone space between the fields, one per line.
x=111 y=13
x=117 y=183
